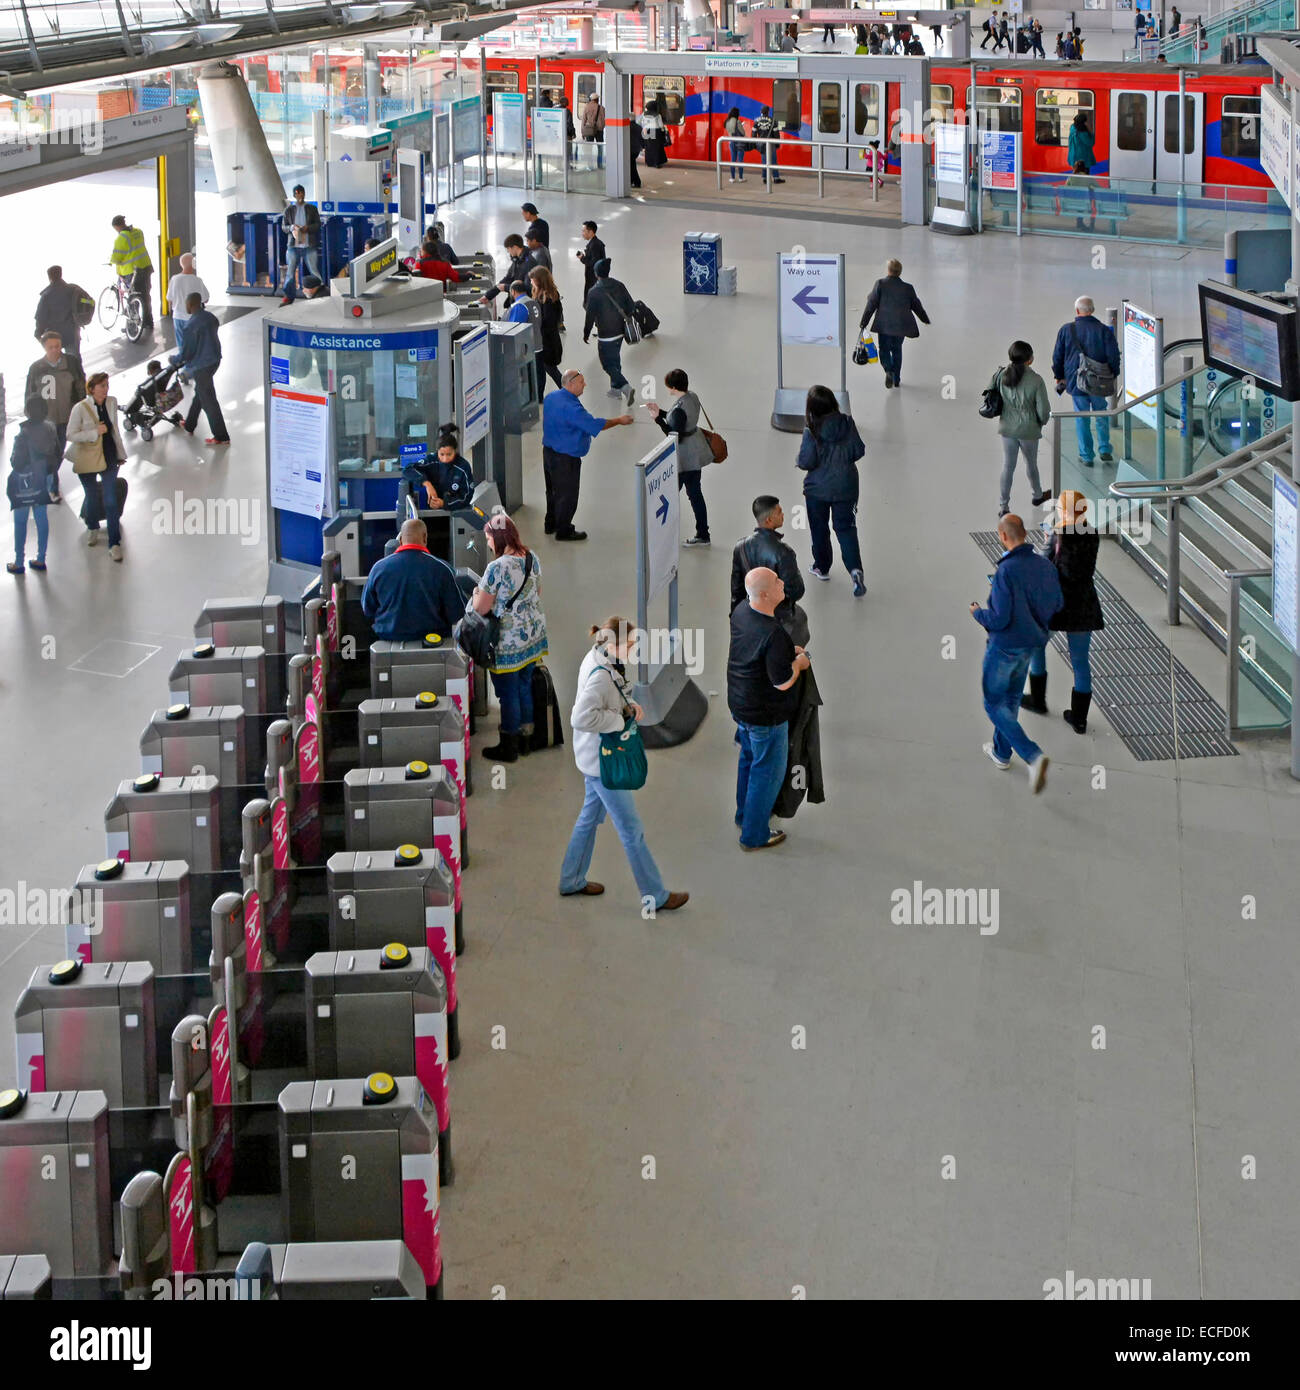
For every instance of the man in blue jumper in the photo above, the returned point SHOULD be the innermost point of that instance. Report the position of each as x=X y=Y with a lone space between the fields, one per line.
x=567 y=432
x=1086 y=335
x=200 y=355
x=1026 y=593
x=410 y=592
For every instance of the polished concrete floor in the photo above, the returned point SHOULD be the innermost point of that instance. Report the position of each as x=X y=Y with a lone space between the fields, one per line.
x=965 y=1114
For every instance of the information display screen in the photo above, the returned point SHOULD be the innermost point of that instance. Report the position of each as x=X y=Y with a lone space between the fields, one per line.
x=1249 y=335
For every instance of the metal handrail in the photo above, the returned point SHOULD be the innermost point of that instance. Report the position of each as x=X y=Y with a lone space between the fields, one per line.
x=1117 y=410
x=876 y=173
x=1212 y=475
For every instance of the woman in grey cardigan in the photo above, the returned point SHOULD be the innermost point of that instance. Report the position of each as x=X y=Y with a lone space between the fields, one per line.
x=693 y=452
x=1025 y=410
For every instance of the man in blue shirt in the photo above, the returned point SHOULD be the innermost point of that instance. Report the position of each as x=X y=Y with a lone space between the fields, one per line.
x=410 y=592
x=567 y=432
x=1026 y=593
x=1086 y=335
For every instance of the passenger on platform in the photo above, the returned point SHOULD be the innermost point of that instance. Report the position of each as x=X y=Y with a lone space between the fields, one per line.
x=1081 y=149
x=593 y=125
x=97 y=452
x=130 y=259
x=603 y=704
x=411 y=592
x=636 y=144
x=301 y=222
x=511 y=588
x=200 y=355
x=1078 y=44
x=447 y=478
x=57 y=379
x=567 y=432
x=1086 y=336
x=1024 y=596
x=654 y=134
x=892 y=309
x=765 y=548
x=828 y=456
x=763 y=667
x=1072 y=548
x=1036 y=36
x=915 y=48
x=734 y=128
x=33 y=463
x=1175 y=20
x=875 y=43
x=551 y=308
x=693 y=451
x=179 y=288
x=590 y=255
x=538 y=252
x=570 y=130
x=828 y=33
x=1060 y=46
x=57 y=310
x=765 y=128
x=1025 y=410
x=788 y=44
x=608 y=306
x=1080 y=178
x=1003 y=36
x=990 y=32
x=535 y=224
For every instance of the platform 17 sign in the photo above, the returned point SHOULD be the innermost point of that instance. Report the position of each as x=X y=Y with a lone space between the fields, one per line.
x=811 y=288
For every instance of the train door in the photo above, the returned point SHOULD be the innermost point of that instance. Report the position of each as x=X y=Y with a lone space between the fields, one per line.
x=869 y=122
x=584 y=83
x=830 y=123
x=1172 y=164
x=1133 y=134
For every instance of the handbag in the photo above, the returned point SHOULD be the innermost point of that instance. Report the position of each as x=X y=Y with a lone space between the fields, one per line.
x=991 y=403
x=717 y=445
x=866 y=352
x=477 y=634
x=623 y=766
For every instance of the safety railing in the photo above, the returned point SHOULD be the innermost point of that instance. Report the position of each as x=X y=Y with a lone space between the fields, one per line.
x=773 y=168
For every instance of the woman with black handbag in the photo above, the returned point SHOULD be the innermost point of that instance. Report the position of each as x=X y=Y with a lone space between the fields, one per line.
x=611 y=757
x=510 y=593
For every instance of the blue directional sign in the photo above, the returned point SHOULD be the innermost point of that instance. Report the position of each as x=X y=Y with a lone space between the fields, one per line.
x=810 y=288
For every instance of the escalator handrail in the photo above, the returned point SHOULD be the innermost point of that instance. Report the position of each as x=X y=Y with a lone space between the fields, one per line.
x=1213 y=475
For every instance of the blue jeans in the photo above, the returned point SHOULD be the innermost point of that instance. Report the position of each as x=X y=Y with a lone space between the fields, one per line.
x=515 y=691
x=294 y=259
x=891 y=354
x=101 y=503
x=1083 y=428
x=610 y=352
x=1080 y=644
x=764 y=750
x=20 y=531
x=737 y=166
x=621 y=809
x=843 y=514
x=1003 y=683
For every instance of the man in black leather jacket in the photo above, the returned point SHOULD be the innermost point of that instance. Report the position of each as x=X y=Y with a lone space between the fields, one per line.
x=765 y=548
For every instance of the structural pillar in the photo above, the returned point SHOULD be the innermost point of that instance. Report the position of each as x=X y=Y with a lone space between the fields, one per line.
x=247 y=178
x=618 y=145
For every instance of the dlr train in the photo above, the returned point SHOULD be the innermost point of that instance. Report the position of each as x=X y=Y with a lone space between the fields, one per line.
x=1132 y=112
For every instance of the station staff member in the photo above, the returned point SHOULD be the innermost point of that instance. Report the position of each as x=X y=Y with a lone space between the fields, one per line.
x=130 y=258
x=567 y=432
x=447 y=478
x=410 y=592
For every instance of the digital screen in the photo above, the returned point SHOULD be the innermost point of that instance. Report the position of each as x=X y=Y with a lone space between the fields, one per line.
x=1250 y=336
x=408 y=202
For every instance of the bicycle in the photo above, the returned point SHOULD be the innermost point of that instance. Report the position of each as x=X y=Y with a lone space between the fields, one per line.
x=118 y=301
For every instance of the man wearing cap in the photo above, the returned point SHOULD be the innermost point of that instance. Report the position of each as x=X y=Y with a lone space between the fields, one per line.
x=567 y=432
x=535 y=225
x=313 y=288
x=130 y=258
x=410 y=592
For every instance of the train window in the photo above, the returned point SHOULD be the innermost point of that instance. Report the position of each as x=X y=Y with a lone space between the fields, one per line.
x=830 y=119
x=501 y=82
x=670 y=92
x=866 y=109
x=1239 y=129
x=940 y=103
x=552 y=82
x=998 y=108
x=584 y=85
x=1171 y=124
x=1131 y=122
x=786 y=102
x=1054 y=111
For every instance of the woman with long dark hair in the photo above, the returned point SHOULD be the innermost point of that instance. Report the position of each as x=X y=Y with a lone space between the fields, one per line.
x=1025 y=410
x=547 y=295
x=828 y=456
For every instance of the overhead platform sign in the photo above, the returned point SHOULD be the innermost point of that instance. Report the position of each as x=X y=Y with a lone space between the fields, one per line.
x=738 y=63
x=811 y=288
x=1275 y=140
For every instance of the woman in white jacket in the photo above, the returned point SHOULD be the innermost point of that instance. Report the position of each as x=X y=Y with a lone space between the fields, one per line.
x=97 y=451
x=601 y=706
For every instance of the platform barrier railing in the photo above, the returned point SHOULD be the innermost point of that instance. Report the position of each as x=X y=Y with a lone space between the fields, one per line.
x=772 y=168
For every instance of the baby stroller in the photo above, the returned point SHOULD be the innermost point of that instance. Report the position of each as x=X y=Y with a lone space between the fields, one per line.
x=155 y=400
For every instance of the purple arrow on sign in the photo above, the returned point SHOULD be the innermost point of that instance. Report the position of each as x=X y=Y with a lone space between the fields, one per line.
x=805 y=297
x=662 y=510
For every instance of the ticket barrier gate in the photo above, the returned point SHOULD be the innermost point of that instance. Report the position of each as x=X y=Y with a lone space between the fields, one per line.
x=359 y=1161
x=330 y=1270
x=211 y=675
x=137 y=910
x=89 y=1027
x=420 y=728
x=54 y=1180
x=407 y=895
x=405 y=669
x=233 y=622
x=418 y=804
x=195 y=740
x=24 y=1278
x=153 y=817
x=383 y=1010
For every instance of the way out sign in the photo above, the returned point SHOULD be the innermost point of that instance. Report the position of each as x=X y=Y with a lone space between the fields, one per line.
x=811 y=290
x=662 y=520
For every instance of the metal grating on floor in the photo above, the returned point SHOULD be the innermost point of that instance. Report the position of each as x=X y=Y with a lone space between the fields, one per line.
x=1152 y=701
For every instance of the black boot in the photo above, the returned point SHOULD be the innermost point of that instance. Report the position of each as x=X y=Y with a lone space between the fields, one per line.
x=1036 y=701
x=525 y=740
x=1077 y=715
x=507 y=751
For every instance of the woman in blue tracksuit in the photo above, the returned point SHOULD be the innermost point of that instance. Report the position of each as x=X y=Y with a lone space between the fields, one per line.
x=447 y=478
x=829 y=457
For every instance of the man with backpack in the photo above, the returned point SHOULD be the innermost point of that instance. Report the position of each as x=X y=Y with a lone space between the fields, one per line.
x=1085 y=362
x=765 y=128
x=58 y=380
x=66 y=309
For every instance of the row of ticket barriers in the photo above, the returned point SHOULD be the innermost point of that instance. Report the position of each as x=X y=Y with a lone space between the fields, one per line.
x=240 y=1069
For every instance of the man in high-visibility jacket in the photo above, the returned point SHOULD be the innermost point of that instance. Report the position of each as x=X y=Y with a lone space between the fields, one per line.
x=130 y=258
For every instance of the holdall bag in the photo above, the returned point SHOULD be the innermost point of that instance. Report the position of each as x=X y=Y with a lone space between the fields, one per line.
x=631 y=329
x=866 y=352
x=623 y=766
x=991 y=402
x=1091 y=378
x=717 y=445
x=647 y=318
x=545 y=704
x=477 y=634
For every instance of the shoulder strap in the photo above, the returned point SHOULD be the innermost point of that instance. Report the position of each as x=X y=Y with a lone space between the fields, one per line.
x=705 y=413
x=528 y=569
